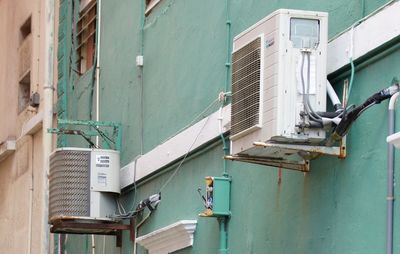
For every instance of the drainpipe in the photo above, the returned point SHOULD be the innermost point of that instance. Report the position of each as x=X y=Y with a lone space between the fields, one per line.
x=223 y=236
x=390 y=176
x=48 y=90
x=30 y=196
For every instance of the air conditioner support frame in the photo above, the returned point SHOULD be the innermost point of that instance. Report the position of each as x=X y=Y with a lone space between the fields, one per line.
x=76 y=225
x=308 y=152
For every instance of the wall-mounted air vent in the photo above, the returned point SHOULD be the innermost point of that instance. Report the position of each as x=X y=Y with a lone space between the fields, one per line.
x=246 y=86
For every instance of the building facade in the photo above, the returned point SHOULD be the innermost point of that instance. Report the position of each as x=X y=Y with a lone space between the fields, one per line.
x=23 y=75
x=169 y=113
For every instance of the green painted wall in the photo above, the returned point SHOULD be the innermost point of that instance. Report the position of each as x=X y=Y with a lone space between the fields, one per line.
x=339 y=207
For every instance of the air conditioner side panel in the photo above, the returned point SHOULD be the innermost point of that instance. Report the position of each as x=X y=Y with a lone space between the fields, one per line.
x=269 y=29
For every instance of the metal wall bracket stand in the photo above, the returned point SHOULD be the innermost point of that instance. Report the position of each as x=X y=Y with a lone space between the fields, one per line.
x=296 y=157
x=96 y=227
x=109 y=132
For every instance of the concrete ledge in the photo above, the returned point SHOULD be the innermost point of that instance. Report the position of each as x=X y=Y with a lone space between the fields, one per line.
x=33 y=125
x=175 y=147
x=6 y=148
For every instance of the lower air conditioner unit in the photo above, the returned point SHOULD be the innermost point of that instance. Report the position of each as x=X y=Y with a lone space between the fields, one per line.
x=83 y=184
x=278 y=75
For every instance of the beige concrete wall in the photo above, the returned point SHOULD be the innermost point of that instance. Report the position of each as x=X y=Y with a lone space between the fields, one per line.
x=21 y=173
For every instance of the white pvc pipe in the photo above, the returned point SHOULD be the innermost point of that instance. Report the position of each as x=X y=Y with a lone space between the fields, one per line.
x=48 y=90
x=93 y=245
x=393 y=100
x=390 y=176
x=30 y=199
x=332 y=94
x=98 y=66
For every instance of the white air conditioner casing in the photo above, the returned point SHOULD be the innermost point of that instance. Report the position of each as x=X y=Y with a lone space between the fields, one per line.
x=267 y=91
x=83 y=183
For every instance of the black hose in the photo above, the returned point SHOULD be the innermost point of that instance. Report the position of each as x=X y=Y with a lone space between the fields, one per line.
x=330 y=114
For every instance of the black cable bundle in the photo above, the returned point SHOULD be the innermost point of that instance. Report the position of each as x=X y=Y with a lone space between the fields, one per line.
x=350 y=116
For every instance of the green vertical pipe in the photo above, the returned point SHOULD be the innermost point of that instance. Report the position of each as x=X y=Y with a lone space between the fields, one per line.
x=223 y=236
x=351 y=80
x=227 y=75
x=226 y=152
x=228 y=45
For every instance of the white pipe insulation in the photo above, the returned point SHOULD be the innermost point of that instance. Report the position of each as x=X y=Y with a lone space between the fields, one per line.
x=332 y=94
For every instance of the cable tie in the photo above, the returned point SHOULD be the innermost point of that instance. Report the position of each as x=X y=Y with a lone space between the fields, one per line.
x=390 y=198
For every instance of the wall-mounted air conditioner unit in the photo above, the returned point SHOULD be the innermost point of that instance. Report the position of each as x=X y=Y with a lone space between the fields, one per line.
x=83 y=184
x=278 y=83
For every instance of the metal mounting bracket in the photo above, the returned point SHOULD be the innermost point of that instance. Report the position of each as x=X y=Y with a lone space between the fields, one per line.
x=75 y=225
x=295 y=156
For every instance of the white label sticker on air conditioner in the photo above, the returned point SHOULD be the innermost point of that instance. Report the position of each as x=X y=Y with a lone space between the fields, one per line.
x=102 y=179
x=103 y=161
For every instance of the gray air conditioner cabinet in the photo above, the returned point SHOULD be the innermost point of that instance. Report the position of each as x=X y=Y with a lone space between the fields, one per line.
x=83 y=183
x=278 y=66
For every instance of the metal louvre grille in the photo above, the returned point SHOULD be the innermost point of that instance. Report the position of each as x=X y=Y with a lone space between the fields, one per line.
x=69 y=184
x=246 y=71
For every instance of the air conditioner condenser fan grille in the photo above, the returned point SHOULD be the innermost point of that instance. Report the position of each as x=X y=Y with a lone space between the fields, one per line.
x=246 y=71
x=69 y=193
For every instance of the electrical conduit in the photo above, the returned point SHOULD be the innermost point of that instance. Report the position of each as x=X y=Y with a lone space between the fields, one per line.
x=48 y=90
x=390 y=176
x=223 y=234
